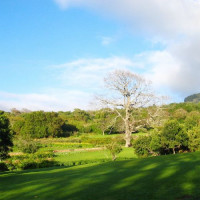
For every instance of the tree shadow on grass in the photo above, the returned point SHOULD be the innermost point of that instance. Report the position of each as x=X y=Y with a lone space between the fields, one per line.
x=164 y=177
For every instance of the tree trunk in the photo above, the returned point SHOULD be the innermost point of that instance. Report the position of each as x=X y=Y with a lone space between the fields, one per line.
x=127 y=131
x=103 y=133
x=127 y=123
x=128 y=139
x=174 y=152
x=114 y=157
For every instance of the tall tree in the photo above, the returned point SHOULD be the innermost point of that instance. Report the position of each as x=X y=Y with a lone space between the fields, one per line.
x=5 y=136
x=128 y=92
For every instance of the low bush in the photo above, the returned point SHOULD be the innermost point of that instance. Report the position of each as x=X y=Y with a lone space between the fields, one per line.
x=12 y=164
x=39 y=155
x=47 y=163
x=114 y=149
x=142 y=146
x=102 y=141
x=31 y=161
x=28 y=164
x=3 y=167
x=27 y=145
x=39 y=163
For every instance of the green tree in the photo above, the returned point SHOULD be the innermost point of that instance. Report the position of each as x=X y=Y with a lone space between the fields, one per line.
x=194 y=139
x=27 y=145
x=173 y=136
x=114 y=149
x=180 y=114
x=155 y=144
x=192 y=120
x=41 y=124
x=5 y=136
x=141 y=146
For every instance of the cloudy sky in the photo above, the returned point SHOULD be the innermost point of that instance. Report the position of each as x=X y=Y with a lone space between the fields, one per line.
x=55 y=53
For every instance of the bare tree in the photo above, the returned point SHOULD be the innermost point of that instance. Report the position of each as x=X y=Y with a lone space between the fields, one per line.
x=127 y=92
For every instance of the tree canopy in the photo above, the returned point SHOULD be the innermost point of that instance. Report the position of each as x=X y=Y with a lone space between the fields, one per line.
x=5 y=136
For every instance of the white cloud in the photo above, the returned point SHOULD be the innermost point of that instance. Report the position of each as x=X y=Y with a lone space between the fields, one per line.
x=63 y=4
x=106 y=40
x=176 y=23
x=175 y=69
x=51 y=100
x=78 y=80
x=159 y=17
x=87 y=74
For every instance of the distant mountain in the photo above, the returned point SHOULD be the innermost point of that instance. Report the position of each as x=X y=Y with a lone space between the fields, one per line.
x=193 y=98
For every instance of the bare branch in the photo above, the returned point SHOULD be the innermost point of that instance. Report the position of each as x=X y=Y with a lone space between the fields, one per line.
x=127 y=91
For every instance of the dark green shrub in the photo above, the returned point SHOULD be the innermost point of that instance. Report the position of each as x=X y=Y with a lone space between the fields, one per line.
x=155 y=144
x=46 y=163
x=42 y=124
x=5 y=137
x=3 y=167
x=29 y=164
x=174 y=136
x=142 y=146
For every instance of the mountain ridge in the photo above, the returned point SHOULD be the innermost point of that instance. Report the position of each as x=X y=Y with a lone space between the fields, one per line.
x=193 y=98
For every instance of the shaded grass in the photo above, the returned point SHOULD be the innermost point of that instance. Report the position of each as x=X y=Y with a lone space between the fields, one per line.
x=164 y=177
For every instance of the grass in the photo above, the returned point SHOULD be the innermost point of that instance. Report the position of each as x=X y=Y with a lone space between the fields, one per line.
x=92 y=156
x=173 y=177
x=76 y=142
x=63 y=146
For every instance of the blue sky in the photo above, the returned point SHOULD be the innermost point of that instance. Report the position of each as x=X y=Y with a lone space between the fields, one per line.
x=55 y=53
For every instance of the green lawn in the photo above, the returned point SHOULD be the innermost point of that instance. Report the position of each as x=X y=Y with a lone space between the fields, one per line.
x=93 y=156
x=164 y=177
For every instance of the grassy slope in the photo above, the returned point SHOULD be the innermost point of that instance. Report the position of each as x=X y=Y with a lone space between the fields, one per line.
x=164 y=177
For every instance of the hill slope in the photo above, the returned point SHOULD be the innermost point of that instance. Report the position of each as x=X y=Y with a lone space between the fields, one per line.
x=164 y=177
x=193 y=98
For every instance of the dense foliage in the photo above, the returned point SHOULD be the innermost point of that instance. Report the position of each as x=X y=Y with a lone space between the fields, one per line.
x=27 y=145
x=174 y=137
x=41 y=124
x=171 y=128
x=5 y=136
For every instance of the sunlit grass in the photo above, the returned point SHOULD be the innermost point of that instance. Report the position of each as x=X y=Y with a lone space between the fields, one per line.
x=127 y=153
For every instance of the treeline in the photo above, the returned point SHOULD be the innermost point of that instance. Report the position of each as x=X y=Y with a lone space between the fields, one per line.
x=180 y=133
x=42 y=124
